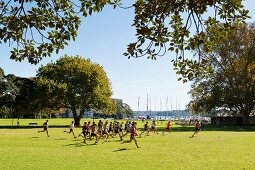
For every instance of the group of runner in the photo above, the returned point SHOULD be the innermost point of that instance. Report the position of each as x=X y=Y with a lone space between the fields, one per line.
x=114 y=129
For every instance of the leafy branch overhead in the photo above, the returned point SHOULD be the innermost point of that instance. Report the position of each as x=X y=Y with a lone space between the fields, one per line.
x=177 y=26
x=55 y=22
x=161 y=26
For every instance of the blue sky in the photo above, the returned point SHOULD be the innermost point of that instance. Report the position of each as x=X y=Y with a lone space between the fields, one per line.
x=103 y=38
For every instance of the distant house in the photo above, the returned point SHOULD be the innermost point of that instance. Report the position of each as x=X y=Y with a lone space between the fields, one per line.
x=69 y=114
x=227 y=118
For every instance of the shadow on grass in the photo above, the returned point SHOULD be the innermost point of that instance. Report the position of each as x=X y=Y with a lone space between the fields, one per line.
x=35 y=137
x=229 y=128
x=80 y=144
x=121 y=149
x=76 y=144
x=210 y=128
x=60 y=139
x=29 y=127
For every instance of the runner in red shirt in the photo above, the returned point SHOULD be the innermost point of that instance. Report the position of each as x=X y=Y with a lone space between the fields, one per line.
x=133 y=134
x=168 y=127
x=197 y=128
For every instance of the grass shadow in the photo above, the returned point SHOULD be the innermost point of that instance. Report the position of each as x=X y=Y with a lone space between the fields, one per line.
x=60 y=139
x=76 y=144
x=35 y=137
x=121 y=149
x=229 y=128
x=210 y=128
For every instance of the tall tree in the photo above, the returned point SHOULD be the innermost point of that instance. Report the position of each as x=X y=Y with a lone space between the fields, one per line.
x=77 y=84
x=26 y=104
x=40 y=27
x=232 y=86
x=8 y=92
x=123 y=110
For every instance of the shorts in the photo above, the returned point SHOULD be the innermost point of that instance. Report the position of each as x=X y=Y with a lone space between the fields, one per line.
x=45 y=128
x=116 y=131
x=93 y=134
x=168 y=128
x=128 y=131
x=84 y=133
x=71 y=130
x=132 y=136
x=197 y=129
x=145 y=129
x=120 y=130
x=153 y=127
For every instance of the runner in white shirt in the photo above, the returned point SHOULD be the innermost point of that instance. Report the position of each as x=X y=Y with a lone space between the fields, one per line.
x=153 y=126
x=71 y=129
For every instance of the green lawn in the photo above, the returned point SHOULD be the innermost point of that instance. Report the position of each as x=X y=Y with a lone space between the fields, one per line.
x=26 y=149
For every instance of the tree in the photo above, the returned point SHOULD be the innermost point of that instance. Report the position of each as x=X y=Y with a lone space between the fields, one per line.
x=129 y=112
x=76 y=84
x=55 y=22
x=26 y=101
x=160 y=26
x=123 y=110
x=232 y=86
x=8 y=92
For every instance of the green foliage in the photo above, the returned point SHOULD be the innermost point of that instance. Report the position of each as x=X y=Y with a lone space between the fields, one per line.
x=8 y=92
x=55 y=22
x=232 y=85
x=123 y=110
x=161 y=26
x=26 y=103
x=75 y=83
x=17 y=96
x=178 y=26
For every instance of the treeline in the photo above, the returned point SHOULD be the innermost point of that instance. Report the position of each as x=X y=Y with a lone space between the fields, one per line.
x=71 y=84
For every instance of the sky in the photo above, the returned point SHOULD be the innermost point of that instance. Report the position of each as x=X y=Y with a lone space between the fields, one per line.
x=103 y=38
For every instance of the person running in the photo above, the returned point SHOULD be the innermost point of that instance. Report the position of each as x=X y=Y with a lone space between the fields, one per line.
x=88 y=129
x=93 y=130
x=110 y=129
x=197 y=128
x=133 y=134
x=127 y=128
x=146 y=128
x=126 y=125
x=100 y=127
x=154 y=127
x=121 y=128
x=84 y=132
x=168 y=127
x=117 y=130
x=105 y=132
x=18 y=122
x=45 y=128
x=71 y=130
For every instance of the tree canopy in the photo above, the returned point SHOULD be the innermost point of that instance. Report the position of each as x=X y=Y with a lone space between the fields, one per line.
x=123 y=110
x=77 y=84
x=232 y=86
x=161 y=26
x=17 y=96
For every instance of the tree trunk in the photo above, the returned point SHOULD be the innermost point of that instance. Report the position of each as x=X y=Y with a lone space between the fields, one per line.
x=77 y=120
x=76 y=117
x=246 y=118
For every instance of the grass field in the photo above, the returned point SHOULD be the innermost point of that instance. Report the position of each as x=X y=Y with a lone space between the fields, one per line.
x=211 y=149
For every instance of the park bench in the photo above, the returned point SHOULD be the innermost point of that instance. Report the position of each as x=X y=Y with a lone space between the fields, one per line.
x=32 y=124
